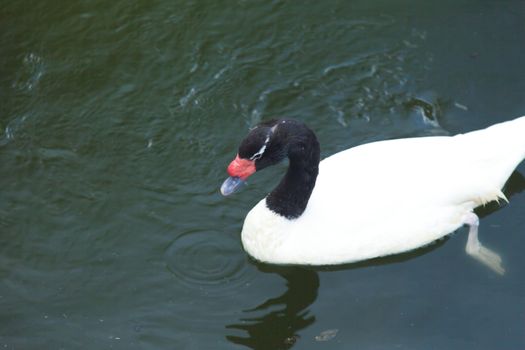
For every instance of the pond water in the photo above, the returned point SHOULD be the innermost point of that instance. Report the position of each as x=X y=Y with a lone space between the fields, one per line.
x=118 y=120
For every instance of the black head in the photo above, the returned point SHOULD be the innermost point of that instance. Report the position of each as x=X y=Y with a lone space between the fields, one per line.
x=259 y=149
x=269 y=143
x=264 y=144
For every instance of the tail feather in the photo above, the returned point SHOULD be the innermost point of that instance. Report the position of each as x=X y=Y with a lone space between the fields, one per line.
x=500 y=148
x=505 y=139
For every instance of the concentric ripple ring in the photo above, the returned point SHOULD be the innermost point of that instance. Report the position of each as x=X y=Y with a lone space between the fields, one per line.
x=208 y=260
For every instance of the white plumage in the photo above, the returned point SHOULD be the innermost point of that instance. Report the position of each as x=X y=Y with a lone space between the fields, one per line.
x=392 y=196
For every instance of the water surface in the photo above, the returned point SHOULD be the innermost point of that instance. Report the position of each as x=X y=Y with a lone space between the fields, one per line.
x=118 y=119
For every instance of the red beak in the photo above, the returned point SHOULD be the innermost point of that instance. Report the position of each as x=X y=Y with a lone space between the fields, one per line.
x=242 y=168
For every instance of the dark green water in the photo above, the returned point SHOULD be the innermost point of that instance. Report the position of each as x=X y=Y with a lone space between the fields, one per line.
x=118 y=118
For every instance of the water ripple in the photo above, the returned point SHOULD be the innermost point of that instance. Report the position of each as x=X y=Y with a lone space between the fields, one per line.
x=30 y=74
x=208 y=261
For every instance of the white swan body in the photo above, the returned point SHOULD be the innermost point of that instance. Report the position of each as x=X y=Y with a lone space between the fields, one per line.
x=389 y=197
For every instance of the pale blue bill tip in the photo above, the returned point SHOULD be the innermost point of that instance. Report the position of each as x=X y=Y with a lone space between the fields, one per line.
x=231 y=184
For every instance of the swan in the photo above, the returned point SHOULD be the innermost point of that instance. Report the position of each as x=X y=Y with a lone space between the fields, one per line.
x=373 y=200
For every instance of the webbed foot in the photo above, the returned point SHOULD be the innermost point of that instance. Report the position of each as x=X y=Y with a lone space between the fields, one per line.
x=475 y=249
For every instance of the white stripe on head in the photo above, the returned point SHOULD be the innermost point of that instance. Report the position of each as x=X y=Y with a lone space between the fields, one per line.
x=260 y=152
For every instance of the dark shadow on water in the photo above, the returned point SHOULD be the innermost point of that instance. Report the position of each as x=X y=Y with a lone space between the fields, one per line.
x=275 y=323
x=281 y=318
x=386 y=260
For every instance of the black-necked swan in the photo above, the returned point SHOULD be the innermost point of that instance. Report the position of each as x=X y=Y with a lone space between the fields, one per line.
x=375 y=199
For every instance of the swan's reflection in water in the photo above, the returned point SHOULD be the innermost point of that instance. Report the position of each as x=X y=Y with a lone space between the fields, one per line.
x=284 y=316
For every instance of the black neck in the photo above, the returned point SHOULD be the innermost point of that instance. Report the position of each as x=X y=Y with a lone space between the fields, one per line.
x=290 y=197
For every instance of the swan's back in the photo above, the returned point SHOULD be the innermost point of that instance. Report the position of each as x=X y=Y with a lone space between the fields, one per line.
x=470 y=167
